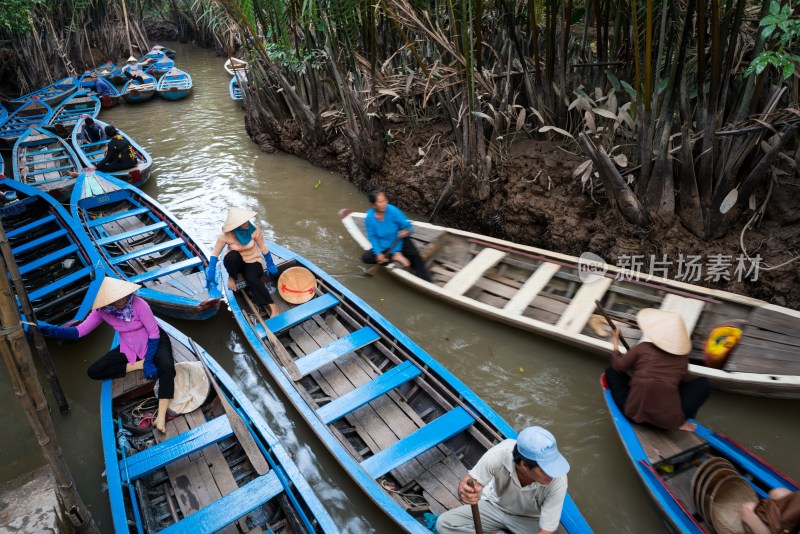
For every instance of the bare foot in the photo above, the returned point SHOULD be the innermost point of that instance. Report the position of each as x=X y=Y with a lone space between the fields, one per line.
x=161 y=422
x=231 y=283
x=136 y=366
x=402 y=260
x=688 y=426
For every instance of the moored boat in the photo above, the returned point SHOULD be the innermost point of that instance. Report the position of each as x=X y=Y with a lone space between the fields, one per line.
x=169 y=52
x=3 y=114
x=234 y=65
x=30 y=115
x=51 y=95
x=235 y=89
x=160 y=67
x=218 y=467
x=554 y=295
x=139 y=91
x=142 y=242
x=60 y=268
x=92 y=153
x=175 y=84
x=69 y=112
x=675 y=467
x=111 y=96
x=44 y=160
x=400 y=424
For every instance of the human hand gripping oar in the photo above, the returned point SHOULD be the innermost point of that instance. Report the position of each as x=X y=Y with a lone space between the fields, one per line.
x=476 y=513
x=614 y=328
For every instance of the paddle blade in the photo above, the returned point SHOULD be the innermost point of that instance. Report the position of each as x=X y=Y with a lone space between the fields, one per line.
x=344 y=212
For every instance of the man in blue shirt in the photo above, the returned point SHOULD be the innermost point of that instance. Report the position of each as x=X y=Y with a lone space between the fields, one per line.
x=388 y=230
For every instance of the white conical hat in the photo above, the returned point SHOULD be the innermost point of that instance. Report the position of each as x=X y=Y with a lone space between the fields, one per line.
x=237 y=217
x=666 y=330
x=113 y=289
x=131 y=60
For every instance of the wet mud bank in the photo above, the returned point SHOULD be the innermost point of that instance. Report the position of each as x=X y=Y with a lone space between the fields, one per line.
x=534 y=199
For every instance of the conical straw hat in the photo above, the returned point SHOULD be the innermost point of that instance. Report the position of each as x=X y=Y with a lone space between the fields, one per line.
x=237 y=217
x=296 y=285
x=666 y=330
x=131 y=60
x=113 y=289
x=726 y=501
x=191 y=387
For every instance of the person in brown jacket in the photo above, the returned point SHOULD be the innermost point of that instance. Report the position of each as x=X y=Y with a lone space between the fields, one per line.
x=659 y=390
x=780 y=514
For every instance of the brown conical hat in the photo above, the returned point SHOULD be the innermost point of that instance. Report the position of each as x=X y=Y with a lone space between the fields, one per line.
x=113 y=289
x=296 y=285
x=237 y=217
x=666 y=330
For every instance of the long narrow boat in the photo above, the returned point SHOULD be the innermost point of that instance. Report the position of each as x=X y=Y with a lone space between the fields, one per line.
x=169 y=52
x=669 y=464
x=235 y=89
x=30 y=115
x=139 y=91
x=218 y=468
x=60 y=268
x=69 y=112
x=174 y=85
x=107 y=100
x=44 y=160
x=160 y=67
x=92 y=153
x=51 y=95
x=105 y=70
x=554 y=295
x=402 y=426
x=142 y=242
x=234 y=65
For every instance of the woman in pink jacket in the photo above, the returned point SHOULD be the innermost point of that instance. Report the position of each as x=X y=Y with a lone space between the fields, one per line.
x=142 y=345
x=247 y=255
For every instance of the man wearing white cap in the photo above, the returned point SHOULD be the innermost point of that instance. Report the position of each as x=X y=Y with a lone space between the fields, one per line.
x=519 y=487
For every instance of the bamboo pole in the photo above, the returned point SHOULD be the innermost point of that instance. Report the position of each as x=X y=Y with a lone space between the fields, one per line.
x=127 y=28
x=17 y=357
x=27 y=309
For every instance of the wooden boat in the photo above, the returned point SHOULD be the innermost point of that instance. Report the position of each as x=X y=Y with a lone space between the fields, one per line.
x=91 y=154
x=142 y=242
x=175 y=85
x=235 y=89
x=117 y=75
x=169 y=52
x=69 y=112
x=107 y=100
x=51 y=95
x=44 y=160
x=30 y=115
x=667 y=462
x=160 y=67
x=3 y=114
x=153 y=56
x=234 y=64
x=218 y=468
x=136 y=91
x=60 y=268
x=103 y=70
x=401 y=425
x=545 y=292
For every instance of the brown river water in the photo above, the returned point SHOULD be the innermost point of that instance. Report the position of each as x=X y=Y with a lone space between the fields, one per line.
x=205 y=163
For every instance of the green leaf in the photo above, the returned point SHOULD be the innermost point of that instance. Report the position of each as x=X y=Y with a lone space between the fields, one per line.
x=628 y=89
x=766 y=33
x=788 y=70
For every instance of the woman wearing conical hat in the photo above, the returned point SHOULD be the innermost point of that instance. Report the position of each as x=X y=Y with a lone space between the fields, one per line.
x=659 y=390
x=142 y=344
x=247 y=256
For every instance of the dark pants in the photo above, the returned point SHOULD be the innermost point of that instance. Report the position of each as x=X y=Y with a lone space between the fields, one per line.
x=253 y=274
x=119 y=165
x=693 y=394
x=410 y=252
x=112 y=365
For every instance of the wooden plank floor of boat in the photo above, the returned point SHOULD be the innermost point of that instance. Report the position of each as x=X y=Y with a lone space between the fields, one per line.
x=770 y=344
x=662 y=445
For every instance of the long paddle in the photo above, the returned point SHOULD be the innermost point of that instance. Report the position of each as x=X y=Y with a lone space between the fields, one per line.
x=476 y=513
x=611 y=324
x=277 y=348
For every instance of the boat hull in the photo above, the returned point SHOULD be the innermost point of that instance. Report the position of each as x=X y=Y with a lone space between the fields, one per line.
x=91 y=154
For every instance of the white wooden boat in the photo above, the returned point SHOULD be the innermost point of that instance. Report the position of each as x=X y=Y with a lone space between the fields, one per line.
x=545 y=292
x=235 y=64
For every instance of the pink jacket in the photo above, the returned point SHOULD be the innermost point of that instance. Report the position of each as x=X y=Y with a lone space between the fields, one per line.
x=133 y=336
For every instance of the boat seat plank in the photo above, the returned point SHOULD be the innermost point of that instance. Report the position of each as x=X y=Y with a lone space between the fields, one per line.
x=689 y=309
x=41 y=152
x=131 y=233
x=30 y=245
x=662 y=445
x=368 y=392
x=230 y=507
x=48 y=259
x=340 y=347
x=466 y=277
x=146 y=251
x=58 y=284
x=149 y=460
x=298 y=314
x=51 y=169
x=532 y=286
x=30 y=226
x=773 y=321
x=582 y=305
x=36 y=162
x=167 y=269
x=427 y=437
x=117 y=216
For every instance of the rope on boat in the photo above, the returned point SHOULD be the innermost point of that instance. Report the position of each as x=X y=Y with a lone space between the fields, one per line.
x=407 y=497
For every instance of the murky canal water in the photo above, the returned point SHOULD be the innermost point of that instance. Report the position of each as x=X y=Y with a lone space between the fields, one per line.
x=205 y=163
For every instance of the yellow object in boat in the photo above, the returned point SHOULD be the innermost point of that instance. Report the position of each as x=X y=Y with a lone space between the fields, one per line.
x=720 y=343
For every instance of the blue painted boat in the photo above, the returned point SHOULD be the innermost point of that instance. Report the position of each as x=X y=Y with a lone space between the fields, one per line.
x=60 y=268
x=152 y=56
x=107 y=99
x=44 y=160
x=401 y=425
x=32 y=114
x=117 y=75
x=52 y=95
x=91 y=154
x=216 y=466
x=235 y=89
x=669 y=464
x=69 y=112
x=169 y=52
x=142 y=242
x=139 y=91
x=3 y=114
x=161 y=66
x=175 y=84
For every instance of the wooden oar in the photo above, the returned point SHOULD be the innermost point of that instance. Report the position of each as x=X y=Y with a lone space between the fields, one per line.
x=476 y=513
x=611 y=324
x=277 y=347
